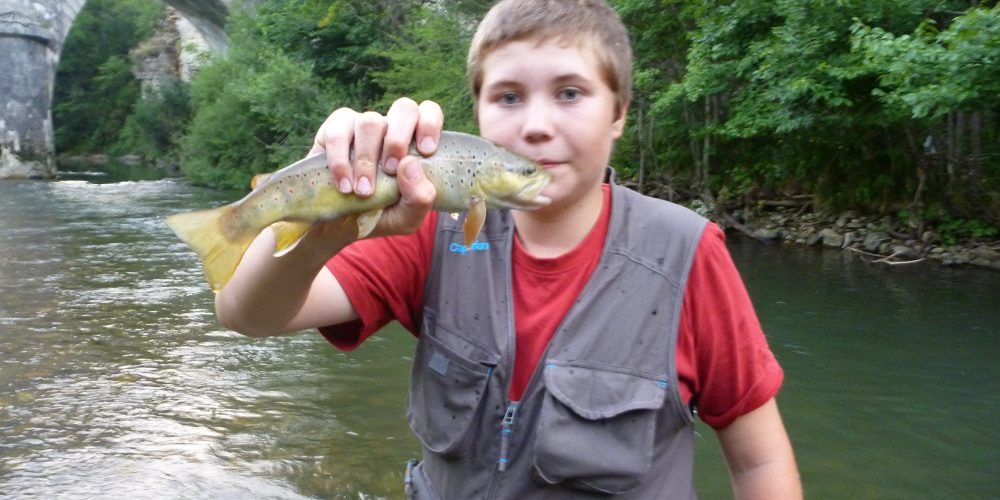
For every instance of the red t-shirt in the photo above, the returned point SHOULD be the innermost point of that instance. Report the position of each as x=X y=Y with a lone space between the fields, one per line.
x=723 y=362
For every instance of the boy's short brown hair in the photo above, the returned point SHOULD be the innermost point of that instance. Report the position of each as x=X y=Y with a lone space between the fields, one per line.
x=587 y=23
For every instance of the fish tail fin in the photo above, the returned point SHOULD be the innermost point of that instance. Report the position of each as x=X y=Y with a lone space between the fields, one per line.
x=203 y=232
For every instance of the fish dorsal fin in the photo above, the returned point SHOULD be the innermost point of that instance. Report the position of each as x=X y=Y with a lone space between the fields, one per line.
x=287 y=235
x=474 y=221
x=367 y=222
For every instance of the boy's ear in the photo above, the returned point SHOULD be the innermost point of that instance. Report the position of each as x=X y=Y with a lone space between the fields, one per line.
x=618 y=125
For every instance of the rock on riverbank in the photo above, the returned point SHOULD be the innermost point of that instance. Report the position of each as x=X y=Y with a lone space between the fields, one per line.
x=868 y=237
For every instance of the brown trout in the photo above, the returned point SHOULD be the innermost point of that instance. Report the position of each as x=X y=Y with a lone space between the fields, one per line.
x=468 y=172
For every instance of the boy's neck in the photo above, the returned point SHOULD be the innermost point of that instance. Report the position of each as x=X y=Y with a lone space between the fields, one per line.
x=554 y=231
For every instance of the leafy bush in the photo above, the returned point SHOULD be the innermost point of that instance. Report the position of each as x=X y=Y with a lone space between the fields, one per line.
x=94 y=78
x=156 y=123
x=256 y=110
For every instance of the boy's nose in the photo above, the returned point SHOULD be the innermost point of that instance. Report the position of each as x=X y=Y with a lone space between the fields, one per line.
x=538 y=121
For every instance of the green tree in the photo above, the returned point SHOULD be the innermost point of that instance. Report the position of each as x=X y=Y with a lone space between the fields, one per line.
x=255 y=110
x=947 y=82
x=786 y=104
x=344 y=41
x=156 y=124
x=94 y=77
x=426 y=60
x=733 y=100
x=657 y=143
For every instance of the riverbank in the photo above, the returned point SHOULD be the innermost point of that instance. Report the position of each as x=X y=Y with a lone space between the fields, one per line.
x=100 y=160
x=879 y=239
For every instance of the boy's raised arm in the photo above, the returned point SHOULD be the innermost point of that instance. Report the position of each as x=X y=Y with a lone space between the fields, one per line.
x=270 y=295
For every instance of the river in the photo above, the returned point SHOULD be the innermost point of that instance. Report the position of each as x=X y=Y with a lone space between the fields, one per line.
x=117 y=381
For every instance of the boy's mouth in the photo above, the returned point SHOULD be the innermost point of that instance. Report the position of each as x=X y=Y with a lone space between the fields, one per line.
x=547 y=164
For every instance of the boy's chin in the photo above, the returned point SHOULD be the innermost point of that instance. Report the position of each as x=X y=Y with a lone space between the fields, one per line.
x=562 y=195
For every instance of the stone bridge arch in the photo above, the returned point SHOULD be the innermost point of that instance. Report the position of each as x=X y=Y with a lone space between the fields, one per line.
x=32 y=33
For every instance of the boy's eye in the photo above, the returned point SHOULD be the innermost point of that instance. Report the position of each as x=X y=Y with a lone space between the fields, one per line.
x=508 y=98
x=570 y=94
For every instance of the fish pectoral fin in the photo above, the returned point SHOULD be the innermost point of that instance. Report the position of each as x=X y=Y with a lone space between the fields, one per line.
x=258 y=180
x=474 y=220
x=367 y=222
x=287 y=235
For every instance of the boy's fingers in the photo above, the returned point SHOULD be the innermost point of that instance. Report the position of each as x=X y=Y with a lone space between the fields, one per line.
x=416 y=195
x=428 y=133
x=334 y=138
x=369 y=129
x=402 y=121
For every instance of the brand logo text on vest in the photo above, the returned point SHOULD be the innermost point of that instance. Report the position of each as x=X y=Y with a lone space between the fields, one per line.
x=478 y=246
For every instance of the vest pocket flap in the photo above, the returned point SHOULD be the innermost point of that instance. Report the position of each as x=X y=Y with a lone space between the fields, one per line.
x=447 y=385
x=595 y=393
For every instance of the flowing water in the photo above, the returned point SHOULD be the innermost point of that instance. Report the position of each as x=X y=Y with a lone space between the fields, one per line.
x=116 y=380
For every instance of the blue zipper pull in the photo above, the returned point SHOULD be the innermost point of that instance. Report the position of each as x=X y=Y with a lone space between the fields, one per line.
x=506 y=429
x=408 y=478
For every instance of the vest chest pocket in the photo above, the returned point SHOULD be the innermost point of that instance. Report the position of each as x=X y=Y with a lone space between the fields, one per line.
x=446 y=387
x=596 y=428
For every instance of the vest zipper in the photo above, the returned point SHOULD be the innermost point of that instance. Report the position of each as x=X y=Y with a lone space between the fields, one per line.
x=506 y=429
x=507 y=425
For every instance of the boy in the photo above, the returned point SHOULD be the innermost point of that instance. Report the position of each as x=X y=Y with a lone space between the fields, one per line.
x=562 y=357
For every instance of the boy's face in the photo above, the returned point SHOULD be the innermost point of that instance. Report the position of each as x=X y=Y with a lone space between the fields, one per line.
x=549 y=102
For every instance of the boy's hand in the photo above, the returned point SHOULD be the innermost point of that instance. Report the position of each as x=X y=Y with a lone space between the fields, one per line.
x=376 y=138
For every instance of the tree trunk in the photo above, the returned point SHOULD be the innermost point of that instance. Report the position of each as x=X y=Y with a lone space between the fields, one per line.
x=694 y=144
x=949 y=152
x=706 y=147
x=976 y=155
x=642 y=148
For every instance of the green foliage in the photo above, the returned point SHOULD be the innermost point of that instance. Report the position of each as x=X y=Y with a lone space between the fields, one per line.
x=949 y=228
x=343 y=40
x=95 y=90
x=955 y=230
x=933 y=72
x=256 y=110
x=784 y=91
x=869 y=104
x=156 y=124
x=427 y=62
x=656 y=131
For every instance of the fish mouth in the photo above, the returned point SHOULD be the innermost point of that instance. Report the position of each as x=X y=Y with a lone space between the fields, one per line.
x=529 y=197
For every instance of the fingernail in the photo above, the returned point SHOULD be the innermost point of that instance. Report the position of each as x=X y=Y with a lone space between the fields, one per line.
x=364 y=186
x=345 y=185
x=413 y=172
x=426 y=145
x=391 y=165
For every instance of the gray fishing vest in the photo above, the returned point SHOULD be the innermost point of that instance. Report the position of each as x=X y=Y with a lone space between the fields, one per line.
x=602 y=415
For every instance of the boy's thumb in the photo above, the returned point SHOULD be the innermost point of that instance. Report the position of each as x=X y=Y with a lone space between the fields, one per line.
x=415 y=189
x=413 y=172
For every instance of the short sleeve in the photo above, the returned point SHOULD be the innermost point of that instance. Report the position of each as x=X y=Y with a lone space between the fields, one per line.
x=724 y=364
x=384 y=280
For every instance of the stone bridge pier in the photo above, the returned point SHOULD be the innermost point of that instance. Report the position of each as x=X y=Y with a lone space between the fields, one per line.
x=32 y=33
